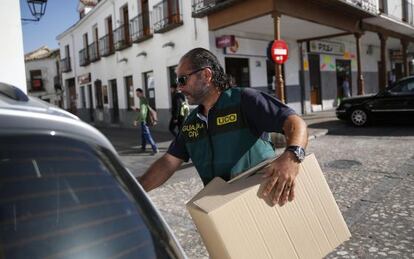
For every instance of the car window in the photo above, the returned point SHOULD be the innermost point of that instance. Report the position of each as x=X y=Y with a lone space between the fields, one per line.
x=403 y=87
x=61 y=198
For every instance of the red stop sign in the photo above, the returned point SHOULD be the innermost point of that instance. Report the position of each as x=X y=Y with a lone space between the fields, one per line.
x=279 y=51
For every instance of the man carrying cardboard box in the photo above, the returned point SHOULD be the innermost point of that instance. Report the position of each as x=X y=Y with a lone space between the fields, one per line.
x=223 y=136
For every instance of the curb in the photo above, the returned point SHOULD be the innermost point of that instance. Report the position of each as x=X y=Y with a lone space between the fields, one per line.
x=318 y=133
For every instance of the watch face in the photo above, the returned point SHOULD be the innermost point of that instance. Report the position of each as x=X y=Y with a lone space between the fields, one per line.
x=301 y=154
x=298 y=151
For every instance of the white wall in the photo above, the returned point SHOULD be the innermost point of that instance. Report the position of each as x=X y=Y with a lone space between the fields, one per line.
x=250 y=48
x=11 y=45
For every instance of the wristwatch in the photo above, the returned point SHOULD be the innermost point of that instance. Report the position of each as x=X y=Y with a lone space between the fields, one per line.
x=298 y=151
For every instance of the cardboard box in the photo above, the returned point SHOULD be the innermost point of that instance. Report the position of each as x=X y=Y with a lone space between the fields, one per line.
x=235 y=223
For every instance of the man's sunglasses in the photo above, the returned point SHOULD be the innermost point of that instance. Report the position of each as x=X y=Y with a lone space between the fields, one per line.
x=182 y=80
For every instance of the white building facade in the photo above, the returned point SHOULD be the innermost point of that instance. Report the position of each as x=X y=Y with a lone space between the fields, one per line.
x=148 y=38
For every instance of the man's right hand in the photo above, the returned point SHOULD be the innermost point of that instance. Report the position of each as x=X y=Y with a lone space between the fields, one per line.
x=159 y=172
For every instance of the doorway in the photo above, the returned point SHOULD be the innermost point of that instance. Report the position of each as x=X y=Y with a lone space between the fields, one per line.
x=115 y=106
x=398 y=71
x=315 y=79
x=149 y=85
x=70 y=83
x=343 y=70
x=238 y=68
x=90 y=95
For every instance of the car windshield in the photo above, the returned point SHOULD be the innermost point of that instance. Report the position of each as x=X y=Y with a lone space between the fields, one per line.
x=62 y=198
x=405 y=86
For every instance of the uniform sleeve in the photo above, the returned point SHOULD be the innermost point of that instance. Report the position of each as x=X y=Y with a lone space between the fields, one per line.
x=177 y=148
x=263 y=113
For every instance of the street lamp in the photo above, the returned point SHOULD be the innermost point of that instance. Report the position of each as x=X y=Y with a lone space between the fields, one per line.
x=37 y=9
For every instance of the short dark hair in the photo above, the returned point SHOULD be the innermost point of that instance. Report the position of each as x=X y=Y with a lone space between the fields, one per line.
x=173 y=86
x=139 y=90
x=199 y=58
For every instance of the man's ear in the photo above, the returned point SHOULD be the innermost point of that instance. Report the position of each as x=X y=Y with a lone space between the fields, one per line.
x=208 y=74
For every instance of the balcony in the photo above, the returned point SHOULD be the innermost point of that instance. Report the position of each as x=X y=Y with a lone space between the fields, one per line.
x=93 y=51
x=140 y=27
x=84 y=57
x=122 y=38
x=369 y=6
x=65 y=65
x=203 y=8
x=106 y=45
x=167 y=15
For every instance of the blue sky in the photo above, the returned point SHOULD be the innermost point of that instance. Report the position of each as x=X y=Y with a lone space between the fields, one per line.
x=59 y=16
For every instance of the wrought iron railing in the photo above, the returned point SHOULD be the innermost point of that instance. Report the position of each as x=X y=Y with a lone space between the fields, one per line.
x=65 y=65
x=83 y=57
x=106 y=45
x=167 y=15
x=140 y=27
x=121 y=37
x=202 y=8
x=93 y=51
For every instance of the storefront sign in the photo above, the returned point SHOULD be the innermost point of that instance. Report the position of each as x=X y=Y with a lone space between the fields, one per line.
x=327 y=47
x=279 y=51
x=225 y=41
x=84 y=79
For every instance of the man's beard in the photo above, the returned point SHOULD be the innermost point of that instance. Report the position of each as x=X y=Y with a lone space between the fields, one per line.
x=199 y=94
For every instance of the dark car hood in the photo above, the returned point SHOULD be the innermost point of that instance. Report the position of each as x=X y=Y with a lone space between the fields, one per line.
x=358 y=99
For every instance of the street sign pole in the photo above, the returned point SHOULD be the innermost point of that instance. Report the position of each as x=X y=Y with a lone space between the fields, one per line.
x=280 y=85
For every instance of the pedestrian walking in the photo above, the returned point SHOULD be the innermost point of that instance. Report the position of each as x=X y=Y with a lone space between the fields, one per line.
x=222 y=136
x=345 y=87
x=177 y=115
x=141 y=120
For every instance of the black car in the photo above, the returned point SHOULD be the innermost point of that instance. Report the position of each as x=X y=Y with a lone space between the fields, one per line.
x=64 y=192
x=395 y=103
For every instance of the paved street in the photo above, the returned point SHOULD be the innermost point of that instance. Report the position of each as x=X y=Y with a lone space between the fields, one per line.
x=370 y=172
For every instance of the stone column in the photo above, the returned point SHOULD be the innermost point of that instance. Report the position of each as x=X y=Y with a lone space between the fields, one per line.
x=361 y=90
x=383 y=73
x=404 y=46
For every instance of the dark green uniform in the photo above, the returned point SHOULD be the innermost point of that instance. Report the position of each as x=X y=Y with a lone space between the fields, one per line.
x=230 y=141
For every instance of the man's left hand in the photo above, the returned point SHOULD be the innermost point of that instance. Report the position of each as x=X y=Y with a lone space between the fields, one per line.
x=281 y=175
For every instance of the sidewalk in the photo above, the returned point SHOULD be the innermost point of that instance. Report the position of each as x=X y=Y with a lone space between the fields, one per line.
x=127 y=140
